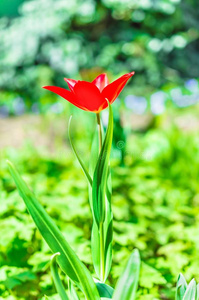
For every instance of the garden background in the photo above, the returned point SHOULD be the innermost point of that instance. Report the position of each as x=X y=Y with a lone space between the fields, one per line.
x=155 y=156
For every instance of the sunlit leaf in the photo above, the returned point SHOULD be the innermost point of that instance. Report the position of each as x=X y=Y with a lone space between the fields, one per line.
x=191 y=291
x=101 y=174
x=127 y=283
x=67 y=260
x=181 y=287
x=73 y=294
x=107 y=224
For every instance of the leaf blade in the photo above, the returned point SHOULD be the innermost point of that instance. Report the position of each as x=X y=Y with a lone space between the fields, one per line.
x=77 y=156
x=180 y=287
x=127 y=283
x=57 y=281
x=73 y=294
x=101 y=173
x=191 y=291
x=68 y=260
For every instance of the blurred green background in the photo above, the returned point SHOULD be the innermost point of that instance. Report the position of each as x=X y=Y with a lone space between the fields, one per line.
x=155 y=154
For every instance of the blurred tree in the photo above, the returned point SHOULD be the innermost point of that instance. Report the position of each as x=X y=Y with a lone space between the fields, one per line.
x=9 y=8
x=52 y=39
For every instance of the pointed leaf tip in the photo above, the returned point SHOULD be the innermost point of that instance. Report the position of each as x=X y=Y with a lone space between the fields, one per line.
x=54 y=255
x=126 y=286
x=57 y=281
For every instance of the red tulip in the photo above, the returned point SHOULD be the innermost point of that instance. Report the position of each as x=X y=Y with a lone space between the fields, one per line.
x=91 y=96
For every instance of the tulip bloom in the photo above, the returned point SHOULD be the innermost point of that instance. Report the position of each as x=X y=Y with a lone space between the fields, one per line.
x=91 y=96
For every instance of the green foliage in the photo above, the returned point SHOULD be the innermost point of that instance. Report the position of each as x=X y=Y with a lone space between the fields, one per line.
x=155 y=207
x=67 y=259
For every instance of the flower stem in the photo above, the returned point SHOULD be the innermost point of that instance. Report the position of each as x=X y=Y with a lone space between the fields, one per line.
x=102 y=256
x=99 y=131
x=101 y=227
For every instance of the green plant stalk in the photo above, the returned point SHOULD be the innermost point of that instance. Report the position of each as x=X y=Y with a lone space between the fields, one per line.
x=101 y=227
x=99 y=131
x=102 y=255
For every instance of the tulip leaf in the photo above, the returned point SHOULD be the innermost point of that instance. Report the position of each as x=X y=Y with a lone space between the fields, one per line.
x=77 y=156
x=181 y=287
x=101 y=174
x=107 y=224
x=68 y=260
x=191 y=291
x=127 y=283
x=104 y=289
x=73 y=294
x=197 y=291
x=95 y=243
x=57 y=281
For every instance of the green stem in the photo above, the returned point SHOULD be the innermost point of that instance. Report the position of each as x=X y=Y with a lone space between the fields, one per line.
x=101 y=228
x=102 y=256
x=99 y=131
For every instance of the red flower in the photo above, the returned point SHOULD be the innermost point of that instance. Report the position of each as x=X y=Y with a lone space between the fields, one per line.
x=91 y=96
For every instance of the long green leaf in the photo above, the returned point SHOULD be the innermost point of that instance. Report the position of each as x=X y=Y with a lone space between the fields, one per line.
x=107 y=224
x=95 y=243
x=77 y=156
x=101 y=174
x=197 y=291
x=68 y=260
x=127 y=283
x=57 y=281
x=191 y=291
x=181 y=287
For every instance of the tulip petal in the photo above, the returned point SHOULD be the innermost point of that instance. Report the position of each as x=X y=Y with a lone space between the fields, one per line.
x=101 y=81
x=89 y=96
x=69 y=96
x=112 y=90
x=71 y=83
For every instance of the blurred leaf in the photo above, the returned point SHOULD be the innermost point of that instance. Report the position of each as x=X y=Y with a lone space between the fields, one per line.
x=73 y=294
x=191 y=291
